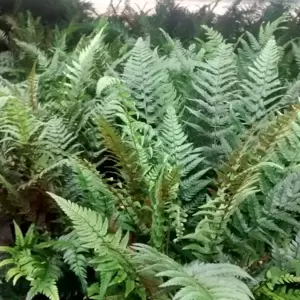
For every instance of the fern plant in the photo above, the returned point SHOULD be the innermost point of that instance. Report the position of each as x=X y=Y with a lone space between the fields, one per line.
x=113 y=258
x=111 y=255
x=246 y=193
x=27 y=261
x=41 y=150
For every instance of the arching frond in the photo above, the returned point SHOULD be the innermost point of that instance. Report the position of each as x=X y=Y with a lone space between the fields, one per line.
x=105 y=82
x=196 y=280
x=214 y=41
x=34 y=53
x=268 y=30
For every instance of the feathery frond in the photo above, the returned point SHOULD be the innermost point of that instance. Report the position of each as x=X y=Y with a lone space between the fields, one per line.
x=262 y=90
x=210 y=111
x=148 y=83
x=196 y=280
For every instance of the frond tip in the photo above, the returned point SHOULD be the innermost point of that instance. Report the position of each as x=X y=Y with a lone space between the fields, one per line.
x=89 y=225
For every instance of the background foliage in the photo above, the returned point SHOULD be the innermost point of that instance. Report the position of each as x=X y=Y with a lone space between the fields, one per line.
x=149 y=156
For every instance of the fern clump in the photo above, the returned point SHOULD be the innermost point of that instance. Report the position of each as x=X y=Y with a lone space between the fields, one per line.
x=179 y=158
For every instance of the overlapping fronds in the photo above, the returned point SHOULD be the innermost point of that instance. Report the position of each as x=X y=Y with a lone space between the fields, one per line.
x=112 y=257
x=180 y=59
x=74 y=254
x=88 y=188
x=42 y=272
x=163 y=189
x=240 y=179
x=286 y=257
x=193 y=150
x=251 y=46
x=126 y=157
x=280 y=285
x=196 y=280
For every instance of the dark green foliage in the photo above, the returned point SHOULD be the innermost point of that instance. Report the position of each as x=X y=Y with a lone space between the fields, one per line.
x=52 y=12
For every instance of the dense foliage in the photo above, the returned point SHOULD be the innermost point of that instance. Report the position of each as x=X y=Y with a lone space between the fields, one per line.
x=130 y=171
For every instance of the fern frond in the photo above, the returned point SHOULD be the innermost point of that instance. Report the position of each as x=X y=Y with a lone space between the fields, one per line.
x=18 y=125
x=214 y=85
x=41 y=273
x=32 y=88
x=286 y=132
x=163 y=189
x=175 y=141
x=292 y=94
x=294 y=248
x=111 y=255
x=89 y=225
x=196 y=280
x=182 y=154
x=105 y=82
x=262 y=90
x=277 y=295
x=279 y=285
x=91 y=190
x=268 y=30
x=19 y=238
x=214 y=41
x=80 y=70
x=178 y=219
x=180 y=59
x=74 y=254
x=281 y=204
x=148 y=83
x=286 y=257
x=92 y=231
x=45 y=281
x=34 y=53
x=126 y=156
x=239 y=180
x=59 y=139
x=265 y=213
